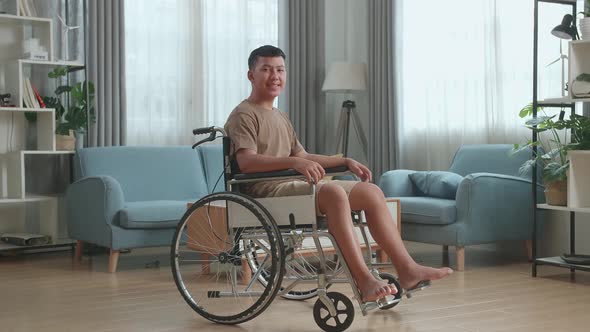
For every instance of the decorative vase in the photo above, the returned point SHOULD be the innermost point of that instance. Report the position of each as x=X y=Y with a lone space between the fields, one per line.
x=556 y=192
x=584 y=26
x=65 y=142
x=80 y=139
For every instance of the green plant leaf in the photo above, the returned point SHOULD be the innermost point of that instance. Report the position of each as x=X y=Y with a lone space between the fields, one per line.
x=58 y=72
x=62 y=88
x=31 y=116
x=543 y=119
x=583 y=77
x=555 y=171
x=527 y=166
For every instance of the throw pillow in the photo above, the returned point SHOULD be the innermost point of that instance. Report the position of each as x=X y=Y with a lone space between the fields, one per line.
x=436 y=183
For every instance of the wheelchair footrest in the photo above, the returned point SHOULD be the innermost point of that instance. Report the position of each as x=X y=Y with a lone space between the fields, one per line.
x=380 y=303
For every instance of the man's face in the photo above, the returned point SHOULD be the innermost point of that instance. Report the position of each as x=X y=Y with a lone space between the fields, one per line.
x=268 y=76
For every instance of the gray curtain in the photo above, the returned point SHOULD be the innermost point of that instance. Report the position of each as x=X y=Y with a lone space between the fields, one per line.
x=106 y=68
x=382 y=132
x=305 y=64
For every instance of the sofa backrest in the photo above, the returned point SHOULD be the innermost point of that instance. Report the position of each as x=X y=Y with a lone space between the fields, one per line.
x=489 y=158
x=147 y=173
x=212 y=158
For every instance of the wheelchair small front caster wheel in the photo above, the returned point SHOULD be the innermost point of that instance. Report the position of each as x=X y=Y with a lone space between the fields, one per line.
x=344 y=313
x=392 y=280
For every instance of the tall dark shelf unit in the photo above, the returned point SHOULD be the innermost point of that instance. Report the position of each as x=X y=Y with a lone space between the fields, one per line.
x=567 y=103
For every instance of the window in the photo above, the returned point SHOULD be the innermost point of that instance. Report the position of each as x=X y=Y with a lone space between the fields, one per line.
x=465 y=70
x=186 y=63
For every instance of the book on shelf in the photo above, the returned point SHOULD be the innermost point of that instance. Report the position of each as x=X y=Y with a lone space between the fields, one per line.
x=37 y=96
x=21 y=8
x=27 y=102
x=27 y=8
x=29 y=95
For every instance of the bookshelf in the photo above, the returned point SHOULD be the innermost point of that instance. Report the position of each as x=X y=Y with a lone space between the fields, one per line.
x=579 y=172
x=25 y=145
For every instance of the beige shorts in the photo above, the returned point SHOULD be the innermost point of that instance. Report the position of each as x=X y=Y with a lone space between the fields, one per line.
x=296 y=188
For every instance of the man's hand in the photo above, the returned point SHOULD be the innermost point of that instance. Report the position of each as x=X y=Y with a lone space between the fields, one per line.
x=359 y=169
x=310 y=169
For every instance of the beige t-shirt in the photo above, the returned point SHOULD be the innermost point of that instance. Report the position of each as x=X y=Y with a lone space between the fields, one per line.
x=268 y=132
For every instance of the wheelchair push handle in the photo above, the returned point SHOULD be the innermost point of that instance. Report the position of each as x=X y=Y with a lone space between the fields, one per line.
x=212 y=131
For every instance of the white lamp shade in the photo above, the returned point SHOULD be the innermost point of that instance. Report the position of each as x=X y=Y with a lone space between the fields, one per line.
x=346 y=77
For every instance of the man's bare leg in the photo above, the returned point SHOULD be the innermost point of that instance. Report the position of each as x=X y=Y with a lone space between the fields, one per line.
x=333 y=202
x=369 y=198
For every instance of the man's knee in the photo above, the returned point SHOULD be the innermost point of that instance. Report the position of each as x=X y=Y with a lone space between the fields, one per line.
x=331 y=195
x=367 y=195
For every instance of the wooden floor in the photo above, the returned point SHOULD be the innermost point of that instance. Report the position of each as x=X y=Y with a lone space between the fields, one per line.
x=48 y=292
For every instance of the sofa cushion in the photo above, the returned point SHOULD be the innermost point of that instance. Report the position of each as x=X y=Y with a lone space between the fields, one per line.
x=152 y=214
x=436 y=183
x=212 y=158
x=428 y=210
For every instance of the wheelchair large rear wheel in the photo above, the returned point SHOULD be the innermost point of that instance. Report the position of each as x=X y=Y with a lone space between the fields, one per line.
x=208 y=257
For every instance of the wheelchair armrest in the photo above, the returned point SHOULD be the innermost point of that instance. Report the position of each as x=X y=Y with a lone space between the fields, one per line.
x=288 y=173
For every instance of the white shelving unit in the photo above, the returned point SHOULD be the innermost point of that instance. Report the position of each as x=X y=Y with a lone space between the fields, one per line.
x=579 y=53
x=578 y=185
x=579 y=173
x=14 y=70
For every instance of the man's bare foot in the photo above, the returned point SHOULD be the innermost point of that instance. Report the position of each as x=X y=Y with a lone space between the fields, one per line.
x=373 y=289
x=410 y=277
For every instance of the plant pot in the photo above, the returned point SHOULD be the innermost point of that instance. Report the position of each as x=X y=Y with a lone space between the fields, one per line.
x=65 y=142
x=556 y=192
x=584 y=26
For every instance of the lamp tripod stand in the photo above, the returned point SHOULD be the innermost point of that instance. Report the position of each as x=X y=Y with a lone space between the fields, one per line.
x=348 y=115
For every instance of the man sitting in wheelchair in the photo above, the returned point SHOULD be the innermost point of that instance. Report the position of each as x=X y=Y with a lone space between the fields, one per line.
x=263 y=140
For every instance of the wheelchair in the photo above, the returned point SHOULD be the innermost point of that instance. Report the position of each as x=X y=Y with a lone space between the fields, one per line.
x=231 y=254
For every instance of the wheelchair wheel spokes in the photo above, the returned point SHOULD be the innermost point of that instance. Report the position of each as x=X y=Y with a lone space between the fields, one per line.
x=302 y=265
x=207 y=254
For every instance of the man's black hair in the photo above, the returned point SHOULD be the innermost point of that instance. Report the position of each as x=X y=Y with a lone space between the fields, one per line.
x=264 y=51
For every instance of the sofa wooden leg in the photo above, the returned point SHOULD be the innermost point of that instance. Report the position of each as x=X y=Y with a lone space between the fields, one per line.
x=246 y=272
x=529 y=249
x=460 y=253
x=206 y=266
x=382 y=256
x=445 y=255
x=78 y=250
x=113 y=260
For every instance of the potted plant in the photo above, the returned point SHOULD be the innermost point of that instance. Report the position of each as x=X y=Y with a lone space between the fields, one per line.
x=552 y=148
x=585 y=22
x=71 y=121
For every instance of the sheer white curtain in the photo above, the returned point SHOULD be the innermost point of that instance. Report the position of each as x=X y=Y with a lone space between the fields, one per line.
x=465 y=70
x=165 y=71
x=187 y=63
x=233 y=30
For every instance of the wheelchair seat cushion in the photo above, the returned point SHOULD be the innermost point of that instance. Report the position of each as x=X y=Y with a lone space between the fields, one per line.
x=152 y=214
x=281 y=188
x=436 y=183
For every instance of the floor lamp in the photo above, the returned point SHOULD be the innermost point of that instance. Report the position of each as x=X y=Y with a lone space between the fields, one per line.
x=344 y=77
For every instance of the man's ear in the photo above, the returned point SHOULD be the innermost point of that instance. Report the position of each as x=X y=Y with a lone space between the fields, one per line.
x=250 y=76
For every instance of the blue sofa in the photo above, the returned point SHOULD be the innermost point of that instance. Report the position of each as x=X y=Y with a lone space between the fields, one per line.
x=492 y=203
x=131 y=197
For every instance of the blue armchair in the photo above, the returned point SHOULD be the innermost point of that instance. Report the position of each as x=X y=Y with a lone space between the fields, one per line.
x=492 y=203
x=131 y=197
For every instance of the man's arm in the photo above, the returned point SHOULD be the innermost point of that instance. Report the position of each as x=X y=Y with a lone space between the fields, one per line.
x=354 y=166
x=251 y=162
